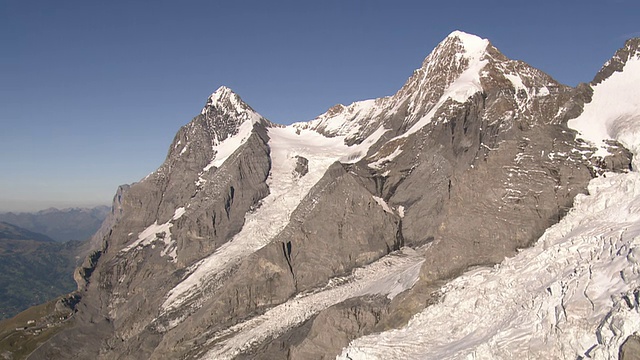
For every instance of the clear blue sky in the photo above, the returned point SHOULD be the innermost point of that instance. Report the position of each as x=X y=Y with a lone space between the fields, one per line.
x=92 y=92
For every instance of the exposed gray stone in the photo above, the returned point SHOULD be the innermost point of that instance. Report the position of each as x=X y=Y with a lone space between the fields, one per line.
x=630 y=349
x=617 y=62
x=302 y=166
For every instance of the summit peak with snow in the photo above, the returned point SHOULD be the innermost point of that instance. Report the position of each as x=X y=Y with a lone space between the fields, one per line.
x=472 y=44
x=221 y=93
x=224 y=100
x=256 y=240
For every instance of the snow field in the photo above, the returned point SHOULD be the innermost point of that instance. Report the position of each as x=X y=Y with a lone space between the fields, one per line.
x=389 y=276
x=563 y=298
x=614 y=111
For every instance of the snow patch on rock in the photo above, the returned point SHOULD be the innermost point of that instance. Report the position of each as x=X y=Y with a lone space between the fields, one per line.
x=157 y=232
x=388 y=276
x=378 y=164
x=228 y=146
x=383 y=204
x=613 y=111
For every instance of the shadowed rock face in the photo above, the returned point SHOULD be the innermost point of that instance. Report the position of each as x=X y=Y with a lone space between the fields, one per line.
x=485 y=176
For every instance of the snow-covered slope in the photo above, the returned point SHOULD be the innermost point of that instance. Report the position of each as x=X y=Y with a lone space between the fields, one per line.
x=614 y=111
x=573 y=295
x=389 y=276
x=459 y=59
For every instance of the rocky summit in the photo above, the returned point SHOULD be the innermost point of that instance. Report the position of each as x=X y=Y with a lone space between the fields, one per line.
x=256 y=240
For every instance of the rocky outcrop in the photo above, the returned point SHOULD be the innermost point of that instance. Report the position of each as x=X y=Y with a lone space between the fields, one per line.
x=630 y=349
x=616 y=63
x=334 y=328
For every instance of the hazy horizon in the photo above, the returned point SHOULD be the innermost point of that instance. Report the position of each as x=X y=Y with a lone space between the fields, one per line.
x=26 y=207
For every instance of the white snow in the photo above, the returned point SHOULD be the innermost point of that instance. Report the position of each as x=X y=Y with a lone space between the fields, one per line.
x=389 y=276
x=383 y=204
x=356 y=152
x=178 y=213
x=158 y=232
x=286 y=191
x=516 y=81
x=543 y=91
x=569 y=296
x=469 y=81
x=341 y=123
x=466 y=85
x=378 y=164
x=614 y=111
x=546 y=302
x=228 y=146
x=473 y=44
x=149 y=235
x=225 y=101
x=350 y=123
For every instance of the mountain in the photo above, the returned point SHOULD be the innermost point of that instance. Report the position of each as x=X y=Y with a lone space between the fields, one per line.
x=575 y=292
x=33 y=269
x=550 y=301
x=8 y=231
x=256 y=240
x=61 y=225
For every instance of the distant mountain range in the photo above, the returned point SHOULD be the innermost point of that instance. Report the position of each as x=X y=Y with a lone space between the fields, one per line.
x=60 y=225
x=33 y=268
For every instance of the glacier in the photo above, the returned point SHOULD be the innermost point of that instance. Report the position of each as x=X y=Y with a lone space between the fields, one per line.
x=574 y=294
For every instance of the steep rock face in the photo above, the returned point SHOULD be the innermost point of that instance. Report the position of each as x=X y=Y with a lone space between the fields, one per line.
x=314 y=247
x=628 y=52
x=145 y=249
x=468 y=162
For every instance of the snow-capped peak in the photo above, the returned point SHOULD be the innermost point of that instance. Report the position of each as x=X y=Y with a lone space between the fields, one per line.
x=221 y=94
x=457 y=53
x=224 y=100
x=457 y=46
x=472 y=44
x=452 y=70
